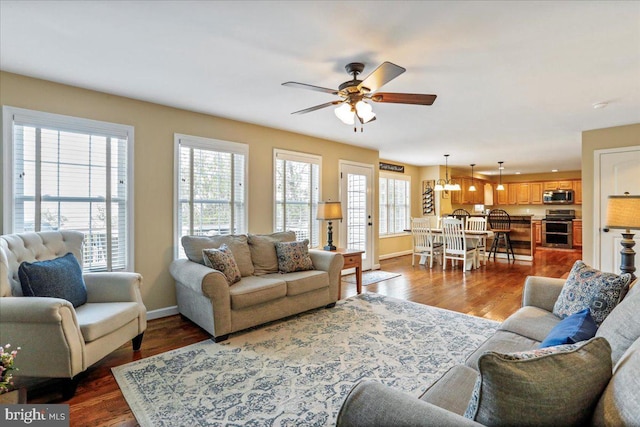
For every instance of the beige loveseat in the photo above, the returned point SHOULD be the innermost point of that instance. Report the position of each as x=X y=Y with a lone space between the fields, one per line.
x=612 y=399
x=56 y=339
x=262 y=295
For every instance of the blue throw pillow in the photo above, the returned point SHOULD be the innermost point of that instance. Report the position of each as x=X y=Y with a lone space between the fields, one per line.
x=572 y=329
x=56 y=278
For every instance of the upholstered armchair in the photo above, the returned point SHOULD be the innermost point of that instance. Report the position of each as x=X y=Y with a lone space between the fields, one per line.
x=56 y=339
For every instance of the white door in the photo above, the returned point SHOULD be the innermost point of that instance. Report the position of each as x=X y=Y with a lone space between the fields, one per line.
x=356 y=190
x=616 y=171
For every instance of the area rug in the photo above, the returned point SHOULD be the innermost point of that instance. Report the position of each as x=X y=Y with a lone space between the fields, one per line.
x=371 y=276
x=297 y=372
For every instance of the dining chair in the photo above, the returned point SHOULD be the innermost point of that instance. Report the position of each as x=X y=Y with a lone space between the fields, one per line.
x=500 y=224
x=456 y=246
x=424 y=243
x=479 y=224
x=462 y=214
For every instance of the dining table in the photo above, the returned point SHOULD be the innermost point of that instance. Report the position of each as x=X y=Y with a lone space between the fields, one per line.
x=472 y=236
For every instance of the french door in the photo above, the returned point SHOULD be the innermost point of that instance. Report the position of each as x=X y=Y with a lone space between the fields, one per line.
x=616 y=171
x=356 y=195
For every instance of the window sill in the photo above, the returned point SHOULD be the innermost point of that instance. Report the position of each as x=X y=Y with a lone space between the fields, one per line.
x=389 y=236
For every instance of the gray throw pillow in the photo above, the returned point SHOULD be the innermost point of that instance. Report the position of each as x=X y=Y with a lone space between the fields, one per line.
x=589 y=288
x=549 y=386
x=238 y=243
x=263 y=250
x=55 y=278
x=222 y=259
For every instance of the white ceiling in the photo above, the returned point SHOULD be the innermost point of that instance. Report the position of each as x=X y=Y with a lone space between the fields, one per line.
x=515 y=81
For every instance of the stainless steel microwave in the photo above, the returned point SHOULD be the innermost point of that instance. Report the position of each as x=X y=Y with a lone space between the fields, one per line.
x=558 y=197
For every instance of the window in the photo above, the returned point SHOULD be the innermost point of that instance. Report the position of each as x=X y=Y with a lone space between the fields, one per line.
x=209 y=187
x=395 y=203
x=297 y=189
x=69 y=173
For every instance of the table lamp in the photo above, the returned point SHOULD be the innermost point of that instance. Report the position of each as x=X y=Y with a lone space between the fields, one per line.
x=623 y=212
x=329 y=211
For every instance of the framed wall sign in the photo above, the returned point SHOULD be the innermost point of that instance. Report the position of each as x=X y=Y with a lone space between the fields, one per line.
x=391 y=167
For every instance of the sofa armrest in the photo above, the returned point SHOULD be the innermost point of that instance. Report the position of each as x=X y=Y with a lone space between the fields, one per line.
x=201 y=279
x=541 y=292
x=372 y=404
x=113 y=287
x=332 y=263
x=45 y=328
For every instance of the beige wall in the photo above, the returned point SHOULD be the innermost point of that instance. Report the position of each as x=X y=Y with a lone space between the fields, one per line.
x=155 y=126
x=599 y=139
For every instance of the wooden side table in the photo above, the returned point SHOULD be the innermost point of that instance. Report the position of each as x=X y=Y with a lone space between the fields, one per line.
x=352 y=259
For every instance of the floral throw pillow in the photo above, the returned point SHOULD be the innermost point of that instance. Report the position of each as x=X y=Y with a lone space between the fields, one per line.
x=222 y=259
x=293 y=256
x=587 y=287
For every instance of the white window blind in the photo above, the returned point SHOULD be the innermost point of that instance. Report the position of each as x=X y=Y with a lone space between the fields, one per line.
x=211 y=190
x=297 y=191
x=72 y=174
x=395 y=204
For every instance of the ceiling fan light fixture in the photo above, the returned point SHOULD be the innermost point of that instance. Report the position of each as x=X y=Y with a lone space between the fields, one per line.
x=365 y=111
x=345 y=114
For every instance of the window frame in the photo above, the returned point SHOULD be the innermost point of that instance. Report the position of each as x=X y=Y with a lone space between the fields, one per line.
x=64 y=123
x=394 y=177
x=297 y=156
x=210 y=144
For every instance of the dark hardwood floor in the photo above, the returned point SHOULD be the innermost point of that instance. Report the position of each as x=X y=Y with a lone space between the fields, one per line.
x=494 y=291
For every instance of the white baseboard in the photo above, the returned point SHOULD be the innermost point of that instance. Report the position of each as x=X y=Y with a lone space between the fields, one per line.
x=162 y=312
x=395 y=254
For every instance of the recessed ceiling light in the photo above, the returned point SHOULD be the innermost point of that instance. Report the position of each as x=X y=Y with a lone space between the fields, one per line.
x=517 y=173
x=554 y=170
x=598 y=105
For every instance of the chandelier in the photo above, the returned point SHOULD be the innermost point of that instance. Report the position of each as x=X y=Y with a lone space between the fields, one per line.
x=446 y=184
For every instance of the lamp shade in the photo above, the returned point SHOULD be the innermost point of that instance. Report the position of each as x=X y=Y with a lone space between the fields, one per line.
x=329 y=211
x=623 y=212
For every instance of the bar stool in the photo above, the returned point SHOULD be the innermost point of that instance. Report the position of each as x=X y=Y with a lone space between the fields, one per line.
x=500 y=224
x=462 y=214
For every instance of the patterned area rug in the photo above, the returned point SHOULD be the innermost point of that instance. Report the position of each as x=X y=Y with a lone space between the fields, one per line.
x=371 y=276
x=297 y=372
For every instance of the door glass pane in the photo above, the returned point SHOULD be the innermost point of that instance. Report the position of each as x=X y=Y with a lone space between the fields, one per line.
x=356 y=211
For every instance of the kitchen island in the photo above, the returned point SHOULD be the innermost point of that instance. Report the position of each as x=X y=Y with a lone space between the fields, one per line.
x=521 y=238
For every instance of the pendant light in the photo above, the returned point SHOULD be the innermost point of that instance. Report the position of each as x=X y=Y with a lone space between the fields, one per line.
x=500 y=187
x=446 y=184
x=472 y=187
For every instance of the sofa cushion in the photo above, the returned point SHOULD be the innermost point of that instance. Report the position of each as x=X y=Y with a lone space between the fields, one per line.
x=293 y=256
x=263 y=250
x=622 y=327
x=619 y=405
x=453 y=390
x=550 y=386
x=302 y=282
x=587 y=287
x=99 y=319
x=531 y=322
x=222 y=259
x=501 y=342
x=193 y=246
x=55 y=278
x=255 y=290
x=575 y=328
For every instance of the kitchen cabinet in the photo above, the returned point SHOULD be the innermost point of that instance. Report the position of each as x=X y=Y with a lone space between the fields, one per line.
x=558 y=185
x=512 y=193
x=502 y=196
x=466 y=197
x=523 y=196
x=535 y=193
x=537 y=231
x=577 y=233
x=577 y=189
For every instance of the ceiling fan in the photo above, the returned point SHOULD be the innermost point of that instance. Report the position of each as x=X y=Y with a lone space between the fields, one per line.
x=355 y=93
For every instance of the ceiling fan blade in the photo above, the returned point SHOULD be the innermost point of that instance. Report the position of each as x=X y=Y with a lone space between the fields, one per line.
x=382 y=75
x=318 y=107
x=310 y=87
x=403 y=98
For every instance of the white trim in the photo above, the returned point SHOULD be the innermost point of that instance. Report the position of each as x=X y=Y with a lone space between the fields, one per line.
x=396 y=177
x=7 y=169
x=209 y=144
x=595 y=207
x=395 y=254
x=162 y=312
